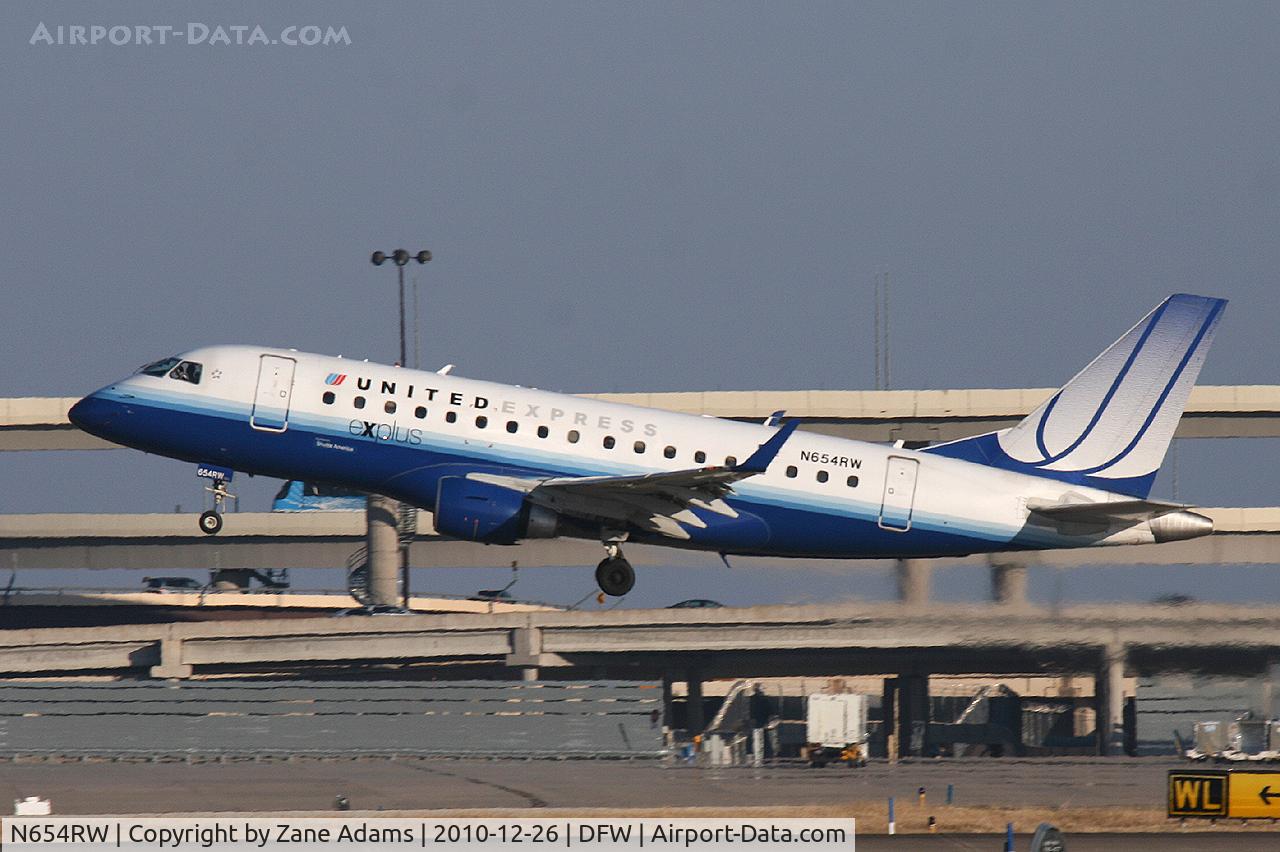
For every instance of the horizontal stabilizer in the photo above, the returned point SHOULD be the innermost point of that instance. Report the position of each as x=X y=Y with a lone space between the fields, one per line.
x=1117 y=510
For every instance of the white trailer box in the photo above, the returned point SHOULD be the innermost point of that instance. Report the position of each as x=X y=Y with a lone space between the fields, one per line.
x=836 y=721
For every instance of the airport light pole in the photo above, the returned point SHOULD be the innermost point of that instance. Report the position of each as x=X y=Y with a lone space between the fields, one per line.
x=384 y=513
x=401 y=259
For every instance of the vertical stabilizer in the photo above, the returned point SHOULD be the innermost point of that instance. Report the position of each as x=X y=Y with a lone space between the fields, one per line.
x=1110 y=426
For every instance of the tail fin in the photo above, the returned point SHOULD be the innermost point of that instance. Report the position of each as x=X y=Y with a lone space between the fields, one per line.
x=1110 y=426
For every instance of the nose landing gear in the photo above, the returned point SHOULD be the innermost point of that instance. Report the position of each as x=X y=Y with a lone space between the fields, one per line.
x=614 y=574
x=211 y=519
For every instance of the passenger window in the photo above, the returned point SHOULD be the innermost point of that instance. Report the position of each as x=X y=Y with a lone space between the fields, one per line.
x=822 y=476
x=572 y=436
x=482 y=422
x=512 y=426
x=700 y=457
x=730 y=461
x=187 y=371
x=420 y=412
x=328 y=397
x=852 y=482
x=639 y=446
x=358 y=402
x=451 y=417
x=543 y=431
x=608 y=442
x=791 y=471
x=669 y=452
x=389 y=406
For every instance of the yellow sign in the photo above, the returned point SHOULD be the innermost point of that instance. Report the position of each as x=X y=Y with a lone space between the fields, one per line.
x=1253 y=795
x=1198 y=794
x=1223 y=793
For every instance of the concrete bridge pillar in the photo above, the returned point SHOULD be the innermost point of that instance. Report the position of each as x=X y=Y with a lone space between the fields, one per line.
x=693 y=718
x=171 y=666
x=1108 y=693
x=526 y=651
x=383 y=549
x=914 y=577
x=1009 y=583
x=913 y=713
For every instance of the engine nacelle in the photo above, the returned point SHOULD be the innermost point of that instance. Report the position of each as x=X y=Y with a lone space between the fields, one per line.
x=479 y=511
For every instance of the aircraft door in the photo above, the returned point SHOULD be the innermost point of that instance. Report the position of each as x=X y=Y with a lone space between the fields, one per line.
x=899 y=494
x=271 y=399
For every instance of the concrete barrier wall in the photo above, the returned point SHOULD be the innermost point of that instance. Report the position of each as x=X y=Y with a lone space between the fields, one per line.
x=466 y=719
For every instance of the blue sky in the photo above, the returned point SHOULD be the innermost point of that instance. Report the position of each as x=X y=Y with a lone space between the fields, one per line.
x=624 y=196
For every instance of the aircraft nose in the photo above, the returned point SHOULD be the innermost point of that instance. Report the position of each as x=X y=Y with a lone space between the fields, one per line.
x=92 y=414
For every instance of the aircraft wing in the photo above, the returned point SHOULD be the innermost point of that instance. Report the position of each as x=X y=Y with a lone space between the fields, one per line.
x=1118 y=510
x=658 y=502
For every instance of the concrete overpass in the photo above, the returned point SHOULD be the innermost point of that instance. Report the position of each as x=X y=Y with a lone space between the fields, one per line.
x=325 y=540
x=1228 y=411
x=1109 y=643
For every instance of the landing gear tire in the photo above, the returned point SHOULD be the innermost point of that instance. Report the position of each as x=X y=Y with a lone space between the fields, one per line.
x=615 y=576
x=210 y=522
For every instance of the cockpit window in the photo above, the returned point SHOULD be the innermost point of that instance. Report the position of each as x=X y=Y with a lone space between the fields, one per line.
x=187 y=371
x=159 y=368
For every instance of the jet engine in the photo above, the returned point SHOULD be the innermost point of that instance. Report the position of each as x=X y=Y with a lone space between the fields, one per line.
x=480 y=511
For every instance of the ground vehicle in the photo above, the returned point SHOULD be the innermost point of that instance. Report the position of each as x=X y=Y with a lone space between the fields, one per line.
x=172 y=584
x=696 y=603
x=835 y=729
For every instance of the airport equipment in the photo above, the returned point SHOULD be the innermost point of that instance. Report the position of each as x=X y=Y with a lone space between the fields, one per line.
x=1246 y=739
x=32 y=806
x=835 y=729
x=1248 y=735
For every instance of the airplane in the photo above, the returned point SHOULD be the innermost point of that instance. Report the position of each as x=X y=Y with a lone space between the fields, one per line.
x=498 y=464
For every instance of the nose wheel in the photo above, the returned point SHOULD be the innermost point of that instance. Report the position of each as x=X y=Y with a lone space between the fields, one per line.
x=211 y=519
x=210 y=522
x=614 y=574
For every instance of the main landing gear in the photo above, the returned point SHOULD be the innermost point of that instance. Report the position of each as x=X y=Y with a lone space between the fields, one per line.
x=211 y=519
x=615 y=575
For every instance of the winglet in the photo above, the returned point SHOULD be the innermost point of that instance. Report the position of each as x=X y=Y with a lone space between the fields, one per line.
x=760 y=459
